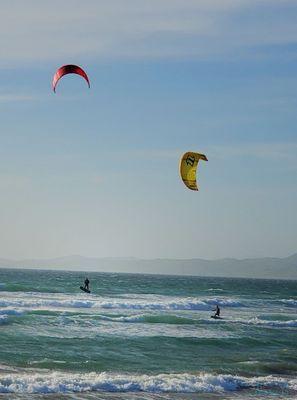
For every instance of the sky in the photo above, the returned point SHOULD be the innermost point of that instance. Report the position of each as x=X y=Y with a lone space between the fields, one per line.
x=95 y=171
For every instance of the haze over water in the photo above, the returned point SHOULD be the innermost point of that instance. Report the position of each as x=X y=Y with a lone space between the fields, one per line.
x=145 y=336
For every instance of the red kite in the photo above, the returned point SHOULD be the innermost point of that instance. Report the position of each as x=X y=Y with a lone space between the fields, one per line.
x=68 y=69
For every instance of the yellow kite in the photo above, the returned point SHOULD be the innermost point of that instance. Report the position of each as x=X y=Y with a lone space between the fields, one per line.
x=188 y=166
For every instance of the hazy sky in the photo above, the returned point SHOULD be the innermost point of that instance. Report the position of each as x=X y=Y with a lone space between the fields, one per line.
x=95 y=172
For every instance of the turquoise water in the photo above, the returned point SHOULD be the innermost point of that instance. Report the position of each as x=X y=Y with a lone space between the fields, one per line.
x=145 y=334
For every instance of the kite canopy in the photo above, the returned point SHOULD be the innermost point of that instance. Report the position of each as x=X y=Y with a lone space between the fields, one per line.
x=188 y=167
x=68 y=69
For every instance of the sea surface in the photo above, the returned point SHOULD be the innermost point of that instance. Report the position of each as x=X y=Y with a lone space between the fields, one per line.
x=145 y=337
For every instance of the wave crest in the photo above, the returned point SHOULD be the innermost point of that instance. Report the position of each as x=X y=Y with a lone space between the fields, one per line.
x=149 y=303
x=58 y=382
x=289 y=302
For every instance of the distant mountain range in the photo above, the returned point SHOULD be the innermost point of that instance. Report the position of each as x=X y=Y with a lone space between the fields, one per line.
x=277 y=268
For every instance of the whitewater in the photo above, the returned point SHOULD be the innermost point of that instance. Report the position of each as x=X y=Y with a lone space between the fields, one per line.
x=145 y=335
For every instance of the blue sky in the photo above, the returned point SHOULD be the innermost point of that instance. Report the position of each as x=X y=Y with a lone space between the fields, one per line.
x=95 y=172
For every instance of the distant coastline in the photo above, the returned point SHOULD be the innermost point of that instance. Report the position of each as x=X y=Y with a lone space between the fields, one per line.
x=261 y=268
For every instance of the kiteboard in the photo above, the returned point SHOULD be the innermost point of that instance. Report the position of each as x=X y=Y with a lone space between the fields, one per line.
x=215 y=317
x=84 y=289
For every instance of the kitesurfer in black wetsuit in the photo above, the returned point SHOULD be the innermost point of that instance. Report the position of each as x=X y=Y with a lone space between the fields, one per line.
x=87 y=282
x=218 y=311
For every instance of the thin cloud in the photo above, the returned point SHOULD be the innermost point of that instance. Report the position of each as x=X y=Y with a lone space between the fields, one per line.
x=283 y=151
x=14 y=97
x=35 y=32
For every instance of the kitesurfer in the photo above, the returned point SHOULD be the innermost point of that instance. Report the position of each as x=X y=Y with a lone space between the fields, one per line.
x=87 y=282
x=217 y=310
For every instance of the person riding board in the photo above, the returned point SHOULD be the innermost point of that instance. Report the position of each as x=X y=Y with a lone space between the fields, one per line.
x=217 y=310
x=87 y=282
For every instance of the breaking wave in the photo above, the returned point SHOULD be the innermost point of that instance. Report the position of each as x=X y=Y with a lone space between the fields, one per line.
x=11 y=311
x=169 y=304
x=3 y=319
x=151 y=319
x=289 y=302
x=59 y=382
x=4 y=314
x=150 y=303
x=279 y=324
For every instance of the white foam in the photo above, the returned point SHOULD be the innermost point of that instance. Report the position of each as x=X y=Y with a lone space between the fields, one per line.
x=62 y=382
x=265 y=323
x=11 y=311
x=128 y=318
x=289 y=302
x=280 y=324
x=4 y=314
x=165 y=303
x=3 y=319
x=142 y=302
x=38 y=303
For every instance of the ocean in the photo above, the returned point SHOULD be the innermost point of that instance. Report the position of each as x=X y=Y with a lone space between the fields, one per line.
x=145 y=337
